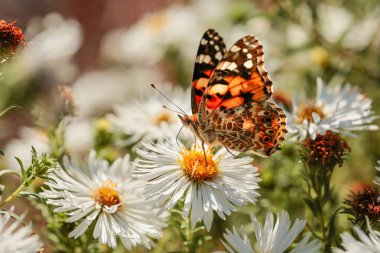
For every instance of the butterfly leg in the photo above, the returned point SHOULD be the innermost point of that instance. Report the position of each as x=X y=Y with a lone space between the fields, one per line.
x=235 y=156
x=177 y=138
x=204 y=152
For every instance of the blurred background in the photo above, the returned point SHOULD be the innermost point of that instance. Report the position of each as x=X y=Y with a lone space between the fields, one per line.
x=109 y=52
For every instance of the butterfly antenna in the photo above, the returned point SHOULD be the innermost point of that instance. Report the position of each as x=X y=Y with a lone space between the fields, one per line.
x=170 y=109
x=163 y=95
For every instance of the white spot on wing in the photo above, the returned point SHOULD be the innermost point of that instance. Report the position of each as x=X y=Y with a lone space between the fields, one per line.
x=204 y=42
x=235 y=48
x=224 y=65
x=232 y=66
x=207 y=59
x=248 y=64
x=218 y=55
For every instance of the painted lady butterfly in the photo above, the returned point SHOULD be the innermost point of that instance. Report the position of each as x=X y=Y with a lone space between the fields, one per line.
x=229 y=97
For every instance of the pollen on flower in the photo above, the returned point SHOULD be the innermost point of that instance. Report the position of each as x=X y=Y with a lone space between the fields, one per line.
x=107 y=195
x=197 y=166
x=305 y=111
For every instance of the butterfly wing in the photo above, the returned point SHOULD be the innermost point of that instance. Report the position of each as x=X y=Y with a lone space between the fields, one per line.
x=210 y=52
x=258 y=127
x=239 y=78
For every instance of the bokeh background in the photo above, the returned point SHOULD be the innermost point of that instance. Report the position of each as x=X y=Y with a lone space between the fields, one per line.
x=109 y=52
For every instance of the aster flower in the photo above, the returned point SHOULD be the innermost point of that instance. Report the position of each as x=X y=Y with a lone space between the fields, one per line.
x=107 y=196
x=365 y=244
x=15 y=238
x=53 y=44
x=342 y=109
x=271 y=238
x=220 y=183
x=146 y=119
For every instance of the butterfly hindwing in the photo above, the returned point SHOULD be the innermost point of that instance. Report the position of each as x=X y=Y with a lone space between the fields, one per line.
x=239 y=78
x=210 y=52
x=258 y=127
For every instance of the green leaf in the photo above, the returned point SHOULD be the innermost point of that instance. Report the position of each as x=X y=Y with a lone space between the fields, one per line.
x=23 y=173
x=310 y=203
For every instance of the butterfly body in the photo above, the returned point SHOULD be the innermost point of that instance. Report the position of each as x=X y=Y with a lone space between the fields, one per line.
x=230 y=93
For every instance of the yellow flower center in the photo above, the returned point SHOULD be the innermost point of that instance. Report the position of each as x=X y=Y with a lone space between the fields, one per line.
x=305 y=111
x=163 y=117
x=199 y=166
x=107 y=195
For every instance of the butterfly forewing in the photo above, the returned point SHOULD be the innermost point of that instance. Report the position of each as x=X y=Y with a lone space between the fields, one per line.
x=239 y=78
x=211 y=50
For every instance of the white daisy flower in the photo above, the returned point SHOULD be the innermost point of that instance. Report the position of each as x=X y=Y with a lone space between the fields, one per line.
x=54 y=42
x=377 y=179
x=366 y=244
x=146 y=41
x=342 y=109
x=221 y=183
x=106 y=195
x=271 y=238
x=15 y=238
x=146 y=119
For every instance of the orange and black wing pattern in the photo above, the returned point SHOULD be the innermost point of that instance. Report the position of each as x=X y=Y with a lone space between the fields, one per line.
x=211 y=50
x=239 y=78
x=257 y=127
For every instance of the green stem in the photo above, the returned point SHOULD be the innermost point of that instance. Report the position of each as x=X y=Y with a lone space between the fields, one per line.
x=13 y=195
x=321 y=214
x=189 y=244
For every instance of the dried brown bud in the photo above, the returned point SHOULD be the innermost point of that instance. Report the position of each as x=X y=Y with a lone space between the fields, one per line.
x=366 y=203
x=326 y=151
x=11 y=37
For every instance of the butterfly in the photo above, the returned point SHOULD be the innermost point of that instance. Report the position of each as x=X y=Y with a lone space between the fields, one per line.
x=229 y=97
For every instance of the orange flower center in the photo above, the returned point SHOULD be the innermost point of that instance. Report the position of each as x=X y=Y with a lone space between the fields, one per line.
x=198 y=165
x=306 y=112
x=107 y=195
